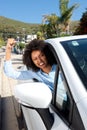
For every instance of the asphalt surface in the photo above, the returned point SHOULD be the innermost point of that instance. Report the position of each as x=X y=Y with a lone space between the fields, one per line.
x=10 y=117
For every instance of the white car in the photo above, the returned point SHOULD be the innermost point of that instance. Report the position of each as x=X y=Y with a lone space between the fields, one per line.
x=66 y=107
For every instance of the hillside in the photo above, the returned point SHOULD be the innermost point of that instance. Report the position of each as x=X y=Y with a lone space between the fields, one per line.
x=16 y=26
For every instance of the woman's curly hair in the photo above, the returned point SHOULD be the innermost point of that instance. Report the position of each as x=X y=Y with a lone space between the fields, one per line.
x=34 y=45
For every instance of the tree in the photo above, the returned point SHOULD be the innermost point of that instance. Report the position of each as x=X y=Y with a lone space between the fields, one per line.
x=82 y=28
x=51 y=25
x=66 y=13
x=40 y=35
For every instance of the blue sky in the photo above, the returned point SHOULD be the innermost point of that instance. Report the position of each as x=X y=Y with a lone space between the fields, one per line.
x=31 y=11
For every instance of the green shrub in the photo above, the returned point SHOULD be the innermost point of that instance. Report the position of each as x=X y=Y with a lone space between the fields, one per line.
x=2 y=42
x=20 y=46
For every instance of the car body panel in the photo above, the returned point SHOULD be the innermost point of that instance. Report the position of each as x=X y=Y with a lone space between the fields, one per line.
x=82 y=107
x=58 y=123
x=33 y=119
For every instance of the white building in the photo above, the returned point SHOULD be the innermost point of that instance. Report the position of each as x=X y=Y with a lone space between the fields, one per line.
x=31 y=37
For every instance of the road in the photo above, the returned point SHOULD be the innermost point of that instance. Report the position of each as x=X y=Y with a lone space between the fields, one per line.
x=10 y=118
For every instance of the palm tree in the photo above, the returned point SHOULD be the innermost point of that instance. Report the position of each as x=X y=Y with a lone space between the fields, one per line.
x=51 y=24
x=66 y=13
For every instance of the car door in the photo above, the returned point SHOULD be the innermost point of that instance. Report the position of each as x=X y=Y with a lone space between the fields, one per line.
x=65 y=110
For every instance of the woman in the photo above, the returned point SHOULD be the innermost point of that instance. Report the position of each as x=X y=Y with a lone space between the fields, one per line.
x=38 y=59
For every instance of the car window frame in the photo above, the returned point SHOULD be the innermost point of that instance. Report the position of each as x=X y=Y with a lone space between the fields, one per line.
x=55 y=83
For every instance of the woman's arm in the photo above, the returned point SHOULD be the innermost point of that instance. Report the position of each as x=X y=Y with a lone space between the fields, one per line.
x=10 y=43
x=9 y=70
x=23 y=74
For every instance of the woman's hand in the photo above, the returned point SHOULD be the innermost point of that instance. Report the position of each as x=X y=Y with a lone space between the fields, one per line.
x=10 y=43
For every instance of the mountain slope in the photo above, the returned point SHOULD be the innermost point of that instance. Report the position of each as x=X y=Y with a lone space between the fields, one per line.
x=6 y=24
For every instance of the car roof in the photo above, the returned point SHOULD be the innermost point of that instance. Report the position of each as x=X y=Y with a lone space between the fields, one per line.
x=66 y=38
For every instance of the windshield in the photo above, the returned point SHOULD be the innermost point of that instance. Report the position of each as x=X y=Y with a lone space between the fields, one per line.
x=77 y=51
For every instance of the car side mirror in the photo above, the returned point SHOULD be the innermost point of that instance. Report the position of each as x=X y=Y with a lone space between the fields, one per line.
x=37 y=95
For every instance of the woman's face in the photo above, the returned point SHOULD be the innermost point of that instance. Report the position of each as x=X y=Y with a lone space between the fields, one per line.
x=39 y=59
